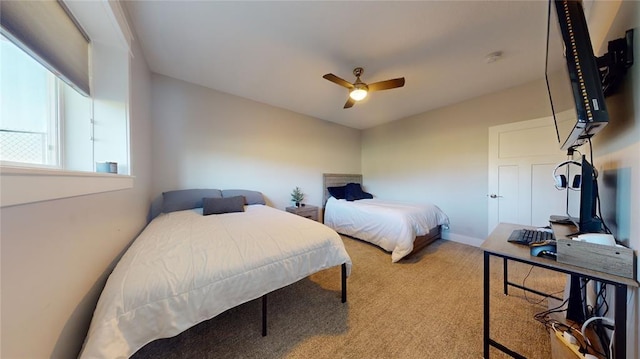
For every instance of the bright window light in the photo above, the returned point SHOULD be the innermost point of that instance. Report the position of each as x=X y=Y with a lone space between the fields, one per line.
x=28 y=114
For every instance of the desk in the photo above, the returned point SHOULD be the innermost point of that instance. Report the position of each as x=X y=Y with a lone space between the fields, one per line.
x=496 y=245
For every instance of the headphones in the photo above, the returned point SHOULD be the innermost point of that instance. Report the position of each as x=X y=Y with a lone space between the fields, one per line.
x=561 y=180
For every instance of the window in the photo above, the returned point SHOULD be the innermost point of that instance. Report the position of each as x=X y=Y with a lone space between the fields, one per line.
x=28 y=130
x=33 y=112
x=52 y=135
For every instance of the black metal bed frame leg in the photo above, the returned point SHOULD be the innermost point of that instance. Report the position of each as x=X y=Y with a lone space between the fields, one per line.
x=264 y=299
x=264 y=315
x=344 y=282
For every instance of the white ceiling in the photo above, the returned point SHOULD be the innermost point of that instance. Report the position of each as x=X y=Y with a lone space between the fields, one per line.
x=277 y=52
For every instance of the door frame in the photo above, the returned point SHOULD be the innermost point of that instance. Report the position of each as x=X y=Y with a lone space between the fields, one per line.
x=494 y=162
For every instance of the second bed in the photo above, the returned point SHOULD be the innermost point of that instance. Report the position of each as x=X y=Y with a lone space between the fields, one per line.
x=397 y=227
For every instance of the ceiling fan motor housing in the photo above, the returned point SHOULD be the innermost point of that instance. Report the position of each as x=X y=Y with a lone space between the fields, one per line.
x=358 y=84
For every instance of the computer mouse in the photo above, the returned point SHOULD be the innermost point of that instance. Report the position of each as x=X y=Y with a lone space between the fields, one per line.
x=548 y=254
x=547 y=250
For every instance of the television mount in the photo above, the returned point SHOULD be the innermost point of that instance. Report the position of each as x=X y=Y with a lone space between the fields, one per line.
x=614 y=64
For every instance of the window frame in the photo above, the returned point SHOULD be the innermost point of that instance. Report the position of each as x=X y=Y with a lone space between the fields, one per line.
x=28 y=183
x=21 y=185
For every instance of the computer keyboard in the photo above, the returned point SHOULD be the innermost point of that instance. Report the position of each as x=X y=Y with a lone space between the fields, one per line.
x=530 y=237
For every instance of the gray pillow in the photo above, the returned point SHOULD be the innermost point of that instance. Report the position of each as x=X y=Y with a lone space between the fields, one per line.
x=186 y=199
x=222 y=205
x=251 y=197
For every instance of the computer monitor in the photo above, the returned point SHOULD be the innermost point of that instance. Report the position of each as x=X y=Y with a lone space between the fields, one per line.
x=582 y=205
x=587 y=221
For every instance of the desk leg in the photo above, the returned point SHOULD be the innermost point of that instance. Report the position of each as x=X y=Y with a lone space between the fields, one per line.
x=505 y=277
x=486 y=305
x=620 y=336
x=264 y=315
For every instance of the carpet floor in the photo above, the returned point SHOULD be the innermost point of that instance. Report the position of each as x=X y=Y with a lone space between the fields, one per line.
x=425 y=306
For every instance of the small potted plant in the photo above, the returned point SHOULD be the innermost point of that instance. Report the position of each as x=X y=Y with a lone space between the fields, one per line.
x=297 y=196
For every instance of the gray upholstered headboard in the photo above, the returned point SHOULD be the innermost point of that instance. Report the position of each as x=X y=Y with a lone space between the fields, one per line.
x=336 y=180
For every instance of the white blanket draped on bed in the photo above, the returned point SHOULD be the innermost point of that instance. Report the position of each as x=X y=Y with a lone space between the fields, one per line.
x=185 y=268
x=390 y=225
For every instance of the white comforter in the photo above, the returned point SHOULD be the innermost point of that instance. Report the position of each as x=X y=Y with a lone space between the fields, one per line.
x=185 y=268
x=390 y=225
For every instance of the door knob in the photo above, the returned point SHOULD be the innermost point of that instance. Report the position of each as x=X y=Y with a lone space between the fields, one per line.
x=493 y=195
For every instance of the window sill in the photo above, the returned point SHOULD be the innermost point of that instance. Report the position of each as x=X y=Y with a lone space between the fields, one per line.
x=28 y=185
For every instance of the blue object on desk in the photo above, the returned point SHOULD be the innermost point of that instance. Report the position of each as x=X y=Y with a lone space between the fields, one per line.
x=548 y=250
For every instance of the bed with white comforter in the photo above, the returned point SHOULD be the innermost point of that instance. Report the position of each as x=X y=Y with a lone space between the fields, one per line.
x=393 y=226
x=185 y=268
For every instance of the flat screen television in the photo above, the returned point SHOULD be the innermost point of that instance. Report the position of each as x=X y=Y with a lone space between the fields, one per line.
x=572 y=75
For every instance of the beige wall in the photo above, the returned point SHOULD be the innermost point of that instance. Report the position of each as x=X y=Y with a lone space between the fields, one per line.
x=57 y=254
x=441 y=156
x=208 y=139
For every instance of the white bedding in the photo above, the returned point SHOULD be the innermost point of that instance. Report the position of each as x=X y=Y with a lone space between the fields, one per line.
x=185 y=268
x=390 y=225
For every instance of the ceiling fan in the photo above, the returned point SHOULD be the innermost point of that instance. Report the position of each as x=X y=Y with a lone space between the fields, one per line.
x=359 y=90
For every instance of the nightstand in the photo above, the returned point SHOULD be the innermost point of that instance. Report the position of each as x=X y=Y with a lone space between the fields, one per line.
x=307 y=211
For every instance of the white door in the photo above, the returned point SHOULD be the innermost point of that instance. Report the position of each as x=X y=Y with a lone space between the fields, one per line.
x=522 y=157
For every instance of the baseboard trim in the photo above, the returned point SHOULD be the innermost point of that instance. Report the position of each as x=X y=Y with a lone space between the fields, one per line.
x=460 y=238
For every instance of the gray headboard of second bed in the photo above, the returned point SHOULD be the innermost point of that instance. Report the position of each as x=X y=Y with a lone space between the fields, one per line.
x=337 y=180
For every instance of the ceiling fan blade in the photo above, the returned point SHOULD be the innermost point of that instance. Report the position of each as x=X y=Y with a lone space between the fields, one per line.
x=350 y=102
x=386 y=85
x=335 y=79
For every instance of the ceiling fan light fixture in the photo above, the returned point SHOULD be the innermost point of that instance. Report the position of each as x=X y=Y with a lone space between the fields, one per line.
x=358 y=94
x=359 y=91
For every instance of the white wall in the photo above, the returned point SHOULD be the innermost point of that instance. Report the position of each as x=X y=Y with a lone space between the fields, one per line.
x=617 y=148
x=616 y=153
x=208 y=139
x=57 y=254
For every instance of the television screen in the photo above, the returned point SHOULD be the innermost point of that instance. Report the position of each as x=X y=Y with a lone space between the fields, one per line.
x=573 y=78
